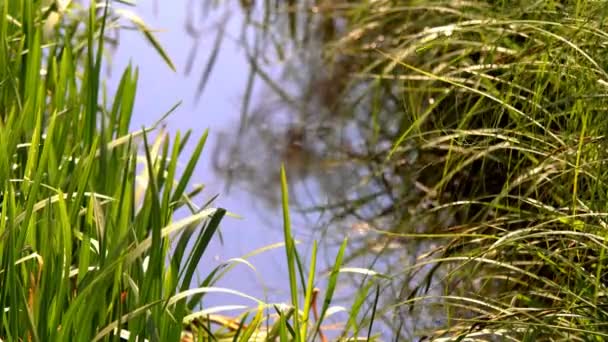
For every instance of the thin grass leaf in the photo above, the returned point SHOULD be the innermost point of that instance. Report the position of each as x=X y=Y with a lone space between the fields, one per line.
x=331 y=287
x=289 y=249
x=143 y=28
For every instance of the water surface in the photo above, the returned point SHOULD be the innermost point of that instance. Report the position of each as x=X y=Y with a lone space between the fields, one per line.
x=218 y=109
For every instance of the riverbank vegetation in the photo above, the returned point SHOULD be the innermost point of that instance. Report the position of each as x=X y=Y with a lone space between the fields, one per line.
x=460 y=145
x=474 y=132
x=91 y=247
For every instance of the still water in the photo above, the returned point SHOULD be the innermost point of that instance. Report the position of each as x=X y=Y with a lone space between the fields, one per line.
x=218 y=109
x=243 y=155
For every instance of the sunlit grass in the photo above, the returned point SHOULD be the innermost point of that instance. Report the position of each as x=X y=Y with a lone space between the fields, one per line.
x=511 y=105
x=493 y=183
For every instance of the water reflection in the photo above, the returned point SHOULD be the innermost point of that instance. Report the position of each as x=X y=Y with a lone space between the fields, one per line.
x=334 y=131
x=310 y=111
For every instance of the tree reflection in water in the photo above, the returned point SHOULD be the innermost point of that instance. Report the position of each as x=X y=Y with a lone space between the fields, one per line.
x=334 y=136
x=445 y=118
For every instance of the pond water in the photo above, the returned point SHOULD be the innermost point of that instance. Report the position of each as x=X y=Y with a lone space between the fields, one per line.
x=368 y=141
x=217 y=109
x=242 y=158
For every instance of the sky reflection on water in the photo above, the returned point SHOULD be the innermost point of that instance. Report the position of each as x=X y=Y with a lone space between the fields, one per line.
x=219 y=110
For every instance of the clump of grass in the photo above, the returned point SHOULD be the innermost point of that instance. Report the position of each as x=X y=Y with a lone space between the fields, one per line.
x=507 y=104
x=493 y=114
x=83 y=246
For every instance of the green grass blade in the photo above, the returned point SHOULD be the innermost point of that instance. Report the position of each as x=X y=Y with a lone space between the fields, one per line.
x=143 y=28
x=331 y=286
x=181 y=186
x=290 y=250
x=309 y=290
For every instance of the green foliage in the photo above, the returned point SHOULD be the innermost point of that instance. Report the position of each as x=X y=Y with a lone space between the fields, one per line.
x=509 y=105
x=85 y=239
x=481 y=129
